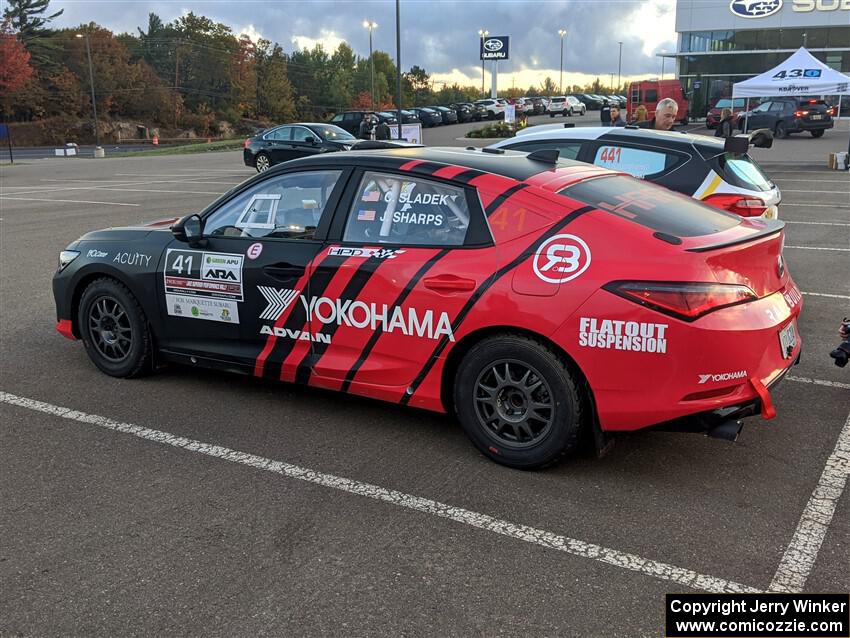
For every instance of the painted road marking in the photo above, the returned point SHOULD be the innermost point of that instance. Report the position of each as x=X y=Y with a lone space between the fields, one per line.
x=845 y=250
x=802 y=552
x=826 y=294
x=542 y=538
x=787 y=204
x=105 y=185
x=66 y=201
x=824 y=382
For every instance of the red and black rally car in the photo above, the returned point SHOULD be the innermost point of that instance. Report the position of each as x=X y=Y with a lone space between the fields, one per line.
x=535 y=298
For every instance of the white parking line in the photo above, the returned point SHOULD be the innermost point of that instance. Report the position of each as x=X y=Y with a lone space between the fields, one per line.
x=823 y=382
x=794 y=221
x=788 y=190
x=104 y=186
x=524 y=533
x=802 y=551
x=826 y=294
x=66 y=201
x=841 y=206
x=846 y=250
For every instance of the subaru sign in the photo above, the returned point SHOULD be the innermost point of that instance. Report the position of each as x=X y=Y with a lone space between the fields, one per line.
x=495 y=47
x=755 y=8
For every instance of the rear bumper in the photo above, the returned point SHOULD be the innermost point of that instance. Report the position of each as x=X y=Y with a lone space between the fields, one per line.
x=811 y=126
x=248 y=158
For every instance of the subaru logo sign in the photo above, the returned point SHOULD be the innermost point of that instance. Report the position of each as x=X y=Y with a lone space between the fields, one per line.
x=755 y=8
x=495 y=47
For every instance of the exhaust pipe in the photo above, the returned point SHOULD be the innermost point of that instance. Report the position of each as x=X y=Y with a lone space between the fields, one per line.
x=728 y=430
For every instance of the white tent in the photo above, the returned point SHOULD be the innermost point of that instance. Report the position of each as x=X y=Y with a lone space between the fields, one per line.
x=800 y=74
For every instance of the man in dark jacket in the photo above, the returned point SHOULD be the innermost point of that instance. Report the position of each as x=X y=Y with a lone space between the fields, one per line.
x=616 y=118
x=382 y=130
x=605 y=113
x=665 y=116
x=364 y=132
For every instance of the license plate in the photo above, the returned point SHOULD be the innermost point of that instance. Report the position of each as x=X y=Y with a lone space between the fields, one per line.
x=788 y=340
x=817 y=117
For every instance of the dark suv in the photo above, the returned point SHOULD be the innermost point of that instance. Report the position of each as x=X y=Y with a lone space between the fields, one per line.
x=786 y=115
x=350 y=120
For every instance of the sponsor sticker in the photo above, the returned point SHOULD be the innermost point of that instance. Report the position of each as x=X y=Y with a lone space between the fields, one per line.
x=723 y=376
x=561 y=258
x=254 y=250
x=617 y=334
x=131 y=259
x=792 y=297
x=96 y=254
x=379 y=253
x=207 y=308
x=204 y=274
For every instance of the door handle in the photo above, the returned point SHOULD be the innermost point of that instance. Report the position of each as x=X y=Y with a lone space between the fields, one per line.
x=284 y=270
x=449 y=283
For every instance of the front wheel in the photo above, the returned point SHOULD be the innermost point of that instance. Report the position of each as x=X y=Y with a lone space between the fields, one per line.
x=114 y=329
x=781 y=130
x=518 y=402
x=817 y=133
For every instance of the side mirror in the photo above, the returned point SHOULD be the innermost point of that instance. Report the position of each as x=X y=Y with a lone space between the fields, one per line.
x=312 y=141
x=189 y=229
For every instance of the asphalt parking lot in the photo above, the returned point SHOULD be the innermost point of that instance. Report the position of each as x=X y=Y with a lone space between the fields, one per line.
x=195 y=502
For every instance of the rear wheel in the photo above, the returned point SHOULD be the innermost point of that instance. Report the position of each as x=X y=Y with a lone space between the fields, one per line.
x=114 y=329
x=518 y=402
x=817 y=133
x=263 y=163
x=781 y=130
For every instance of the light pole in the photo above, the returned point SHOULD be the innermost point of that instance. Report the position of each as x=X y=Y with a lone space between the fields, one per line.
x=620 y=67
x=398 y=64
x=611 y=83
x=562 y=33
x=663 y=60
x=371 y=25
x=482 y=33
x=91 y=82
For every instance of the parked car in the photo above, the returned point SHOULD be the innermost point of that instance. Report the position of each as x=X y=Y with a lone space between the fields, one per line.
x=409 y=117
x=565 y=105
x=492 y=108
x=694 y=165
x=283 y=143
x=712 y=118
x=650 y=92
x=350 y=120
x=590 y=103
x=449 y=116
x=477 y=112
x=463 y=111
x=576 y=106
x=366 y=273
x=429 y=117
x=538 y=105
x=788 y=115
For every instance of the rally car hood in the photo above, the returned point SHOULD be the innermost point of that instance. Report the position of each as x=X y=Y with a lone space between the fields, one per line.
x=130 y=233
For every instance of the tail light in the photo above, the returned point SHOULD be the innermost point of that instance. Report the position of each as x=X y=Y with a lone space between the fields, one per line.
x=830 y=111
x=800 y=113
x=743 y=205
x=685 y=301
x=248 y=141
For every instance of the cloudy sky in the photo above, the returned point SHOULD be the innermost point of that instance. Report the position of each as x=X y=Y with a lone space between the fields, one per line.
x=439 y=35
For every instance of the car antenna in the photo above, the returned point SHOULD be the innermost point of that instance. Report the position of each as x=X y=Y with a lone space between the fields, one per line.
x=548 y=155
x=495 y=151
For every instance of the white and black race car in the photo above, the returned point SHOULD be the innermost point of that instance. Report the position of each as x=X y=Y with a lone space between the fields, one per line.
x=718 y=172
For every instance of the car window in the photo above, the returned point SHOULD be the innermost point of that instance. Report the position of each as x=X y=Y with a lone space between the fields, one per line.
x=280 y=134
x=639 y=162
x=740 y=170
x=411 y=211
x=762 y=108
x=777 y=106
x=651 y=95
x=566 y=150
x=284 y=207
x=352 y=116
x=652 y=206
x=302 y=134
x=337 y=118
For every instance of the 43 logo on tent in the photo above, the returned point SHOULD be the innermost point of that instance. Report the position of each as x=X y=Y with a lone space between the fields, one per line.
x=797 y=73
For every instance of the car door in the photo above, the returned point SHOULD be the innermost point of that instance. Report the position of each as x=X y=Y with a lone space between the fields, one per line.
x=277 y=144
x=760 y=117
x=235 y=298
x=415 y=250
x=301 y=144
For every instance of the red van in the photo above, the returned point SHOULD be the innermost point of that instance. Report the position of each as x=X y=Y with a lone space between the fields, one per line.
x=650 y=92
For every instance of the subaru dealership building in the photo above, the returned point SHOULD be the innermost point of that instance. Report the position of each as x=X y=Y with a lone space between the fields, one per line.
x=722 y=42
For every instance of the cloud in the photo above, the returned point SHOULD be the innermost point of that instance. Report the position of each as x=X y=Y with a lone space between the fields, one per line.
x=252 y=33
x=328 y=39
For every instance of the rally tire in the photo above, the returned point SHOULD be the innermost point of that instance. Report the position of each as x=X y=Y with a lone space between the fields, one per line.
x=114 y=329
x=817 y=133
x=262 y=163
x=496 y=369
x=781 y=130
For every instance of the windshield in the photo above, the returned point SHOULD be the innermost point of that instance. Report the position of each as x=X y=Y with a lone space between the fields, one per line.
x=331 y=132
x=652 y=206
x=740 y=170
x=728 y=104
x=386 y=114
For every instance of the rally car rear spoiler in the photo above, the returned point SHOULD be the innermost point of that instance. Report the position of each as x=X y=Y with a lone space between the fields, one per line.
x=739 y=144
x=771 y=227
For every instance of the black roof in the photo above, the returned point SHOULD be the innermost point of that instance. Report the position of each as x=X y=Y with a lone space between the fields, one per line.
x=512 y=164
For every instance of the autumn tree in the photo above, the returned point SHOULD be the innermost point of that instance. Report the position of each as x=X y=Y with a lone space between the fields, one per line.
x=15 y=69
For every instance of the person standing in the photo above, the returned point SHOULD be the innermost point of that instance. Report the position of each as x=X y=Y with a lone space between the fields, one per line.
x=364 y=132
x=605 y=113
x=382 y=130
x=641 y=114
x=726 y=127
x=616 y=118
x=665 y=116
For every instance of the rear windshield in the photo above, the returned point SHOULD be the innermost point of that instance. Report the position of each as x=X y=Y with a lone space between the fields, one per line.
x=741 y=171
x=558 y=99
x=652 y=206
